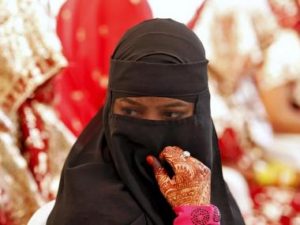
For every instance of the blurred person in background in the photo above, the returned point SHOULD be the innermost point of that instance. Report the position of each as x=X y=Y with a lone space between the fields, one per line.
x=239 y=38
x=34 y=139
x=278 y=79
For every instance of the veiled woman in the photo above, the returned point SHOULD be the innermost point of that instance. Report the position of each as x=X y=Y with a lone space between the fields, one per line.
x=151 y=154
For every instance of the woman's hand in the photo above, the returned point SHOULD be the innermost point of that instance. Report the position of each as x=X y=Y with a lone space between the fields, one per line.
x=190 y=186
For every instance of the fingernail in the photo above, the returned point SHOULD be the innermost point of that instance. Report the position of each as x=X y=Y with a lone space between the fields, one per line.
x=149 y=160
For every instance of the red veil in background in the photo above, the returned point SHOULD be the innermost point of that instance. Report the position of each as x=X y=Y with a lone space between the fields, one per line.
x=89 y=32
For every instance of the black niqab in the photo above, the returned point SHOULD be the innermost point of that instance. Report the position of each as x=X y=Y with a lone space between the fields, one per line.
x=105 y=179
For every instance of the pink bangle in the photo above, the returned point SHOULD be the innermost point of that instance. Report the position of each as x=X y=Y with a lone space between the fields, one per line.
x=197 y=215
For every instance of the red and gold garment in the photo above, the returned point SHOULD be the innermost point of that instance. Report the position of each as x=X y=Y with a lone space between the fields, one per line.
x=34 y=141
x=30 y=55
x=237 y=35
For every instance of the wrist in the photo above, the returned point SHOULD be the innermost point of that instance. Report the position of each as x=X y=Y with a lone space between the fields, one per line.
x=188 y=197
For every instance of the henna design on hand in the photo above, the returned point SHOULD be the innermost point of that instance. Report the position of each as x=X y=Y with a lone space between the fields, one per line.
x=191 y=183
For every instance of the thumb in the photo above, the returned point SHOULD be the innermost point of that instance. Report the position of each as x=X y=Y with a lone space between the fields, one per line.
x=160 y=173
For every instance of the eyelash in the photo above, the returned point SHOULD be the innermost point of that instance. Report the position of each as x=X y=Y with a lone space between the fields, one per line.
x=128 y=111
x=168 y=114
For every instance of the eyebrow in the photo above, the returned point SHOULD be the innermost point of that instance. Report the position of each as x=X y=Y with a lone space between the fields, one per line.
x=168 y=105
x=175 y=104
x=130 y=101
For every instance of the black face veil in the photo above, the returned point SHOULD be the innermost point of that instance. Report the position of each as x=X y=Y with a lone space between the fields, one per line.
x=105 y=179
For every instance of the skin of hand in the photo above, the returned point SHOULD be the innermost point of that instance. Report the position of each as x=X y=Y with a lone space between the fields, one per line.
x=190 y=185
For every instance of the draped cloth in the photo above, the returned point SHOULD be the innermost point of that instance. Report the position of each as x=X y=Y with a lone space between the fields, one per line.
x=105 y=178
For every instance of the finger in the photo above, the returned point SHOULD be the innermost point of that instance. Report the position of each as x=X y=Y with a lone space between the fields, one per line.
x=160 y=173
x=178 y=161
x=153 y=162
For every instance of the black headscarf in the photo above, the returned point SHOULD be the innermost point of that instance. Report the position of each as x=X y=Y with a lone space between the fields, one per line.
x=105 y=179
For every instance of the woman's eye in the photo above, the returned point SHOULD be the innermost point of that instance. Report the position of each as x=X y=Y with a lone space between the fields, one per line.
x=129 y=112
x=173 y=115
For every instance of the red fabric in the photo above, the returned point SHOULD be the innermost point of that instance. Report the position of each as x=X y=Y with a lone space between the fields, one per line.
x=35 y=143
x=34 y=137
x=230 y=148
x=197 y=15
x=285 y=16
x=89 y=32
x=197 y=215
x=5 y=214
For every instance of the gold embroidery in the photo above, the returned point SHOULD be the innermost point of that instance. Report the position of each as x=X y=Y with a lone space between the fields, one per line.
x=103 y=30
x=77 y=95
x=76 y=124
x=80 y=35
x=96 y=74
x=135 y=2
x=30 y=52
x=103 y=81
x=66 y=14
